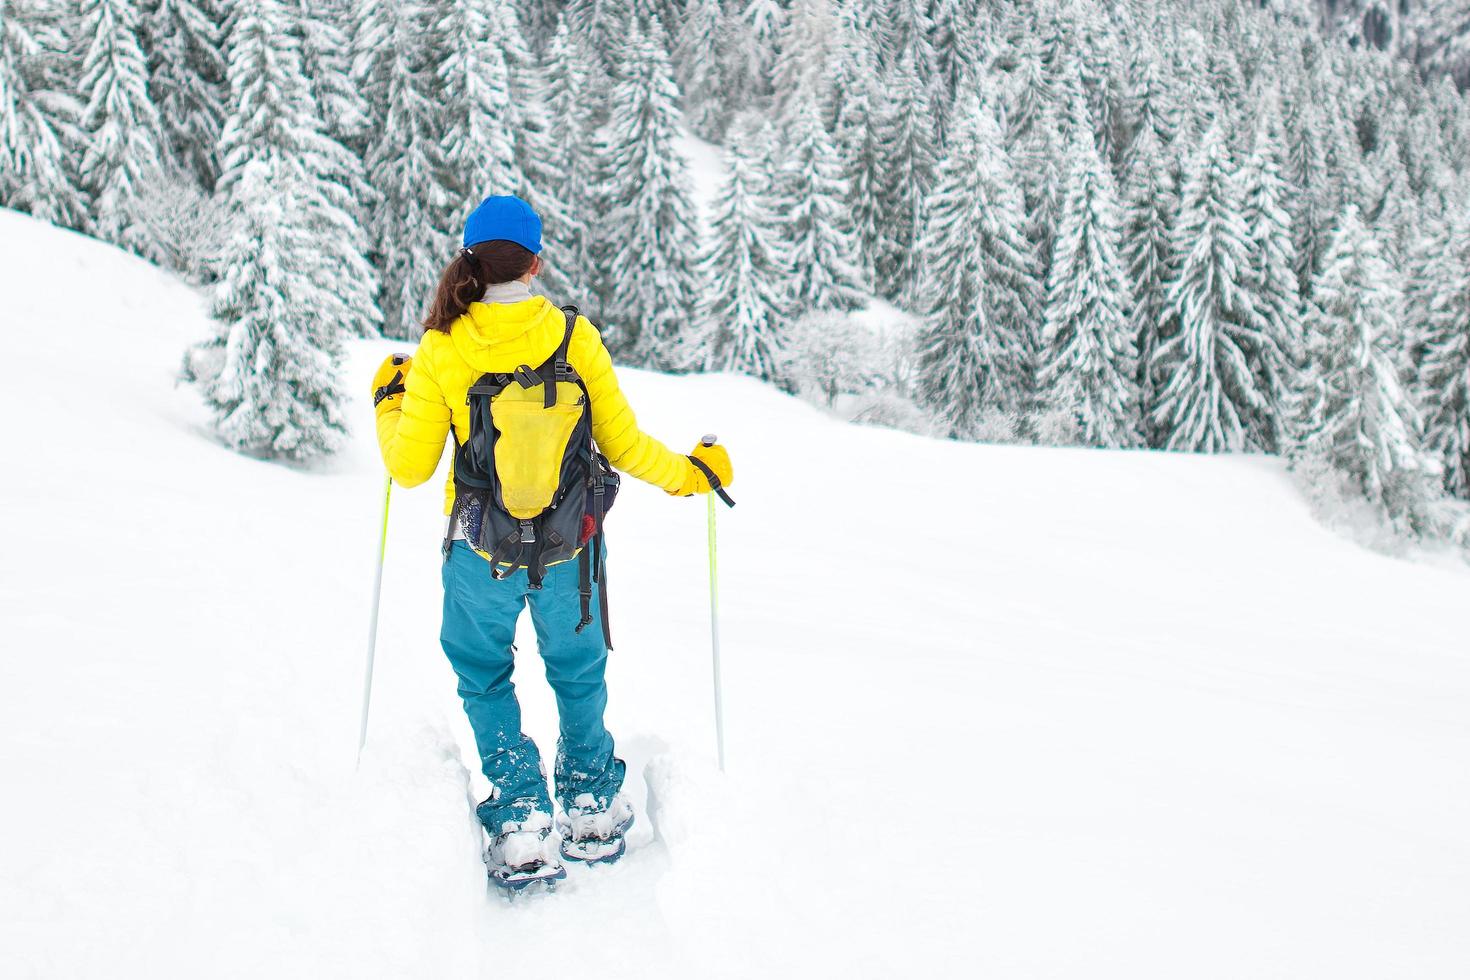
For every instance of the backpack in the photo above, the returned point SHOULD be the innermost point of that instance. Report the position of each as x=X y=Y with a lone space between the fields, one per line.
x=530 y=487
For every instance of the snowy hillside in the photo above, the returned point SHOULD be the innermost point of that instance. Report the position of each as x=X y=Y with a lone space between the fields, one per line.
x=995 y=712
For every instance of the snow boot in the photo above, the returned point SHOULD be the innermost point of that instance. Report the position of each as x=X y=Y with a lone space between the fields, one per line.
x=593 y=834
x=525 y=853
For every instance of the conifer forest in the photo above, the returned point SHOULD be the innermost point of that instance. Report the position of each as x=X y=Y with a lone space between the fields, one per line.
x=1207 y=226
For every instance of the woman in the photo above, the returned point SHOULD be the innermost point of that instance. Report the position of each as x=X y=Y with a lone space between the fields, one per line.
x=485 y=319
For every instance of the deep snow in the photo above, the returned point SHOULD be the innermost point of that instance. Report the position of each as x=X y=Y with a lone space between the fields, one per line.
x=991 y=711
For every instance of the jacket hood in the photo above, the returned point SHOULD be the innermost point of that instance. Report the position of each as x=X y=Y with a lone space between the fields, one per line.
x=500 y=337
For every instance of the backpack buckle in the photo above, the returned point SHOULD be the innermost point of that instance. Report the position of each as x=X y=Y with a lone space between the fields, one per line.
x=528 y=532
x=526 y=378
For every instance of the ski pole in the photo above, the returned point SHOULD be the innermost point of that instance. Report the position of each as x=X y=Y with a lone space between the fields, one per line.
x=367 y=681
x=714 y=604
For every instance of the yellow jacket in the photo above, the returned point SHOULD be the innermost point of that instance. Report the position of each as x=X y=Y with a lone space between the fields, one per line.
x=500 y=337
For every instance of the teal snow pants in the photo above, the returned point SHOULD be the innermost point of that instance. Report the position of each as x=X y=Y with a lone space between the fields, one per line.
x=478 y=634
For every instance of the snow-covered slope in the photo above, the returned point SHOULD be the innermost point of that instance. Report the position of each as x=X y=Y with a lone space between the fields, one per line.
x=993 y=712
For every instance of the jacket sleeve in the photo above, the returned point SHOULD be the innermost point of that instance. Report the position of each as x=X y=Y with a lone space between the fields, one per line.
x=614 y=426
x=412 y=435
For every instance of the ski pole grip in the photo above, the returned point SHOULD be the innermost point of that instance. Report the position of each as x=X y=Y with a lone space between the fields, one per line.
x=715 y=482
x=709 y=474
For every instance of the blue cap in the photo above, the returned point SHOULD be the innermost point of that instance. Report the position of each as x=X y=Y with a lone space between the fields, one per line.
x=504 y=218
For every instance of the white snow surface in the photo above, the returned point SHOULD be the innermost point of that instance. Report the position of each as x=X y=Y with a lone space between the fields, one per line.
x=992 y=711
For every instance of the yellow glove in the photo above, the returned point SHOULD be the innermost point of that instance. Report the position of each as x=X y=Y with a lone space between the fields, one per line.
x=717 y=460
x=388 y=384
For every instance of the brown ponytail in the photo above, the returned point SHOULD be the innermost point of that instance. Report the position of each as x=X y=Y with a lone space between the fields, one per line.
x=468 y=273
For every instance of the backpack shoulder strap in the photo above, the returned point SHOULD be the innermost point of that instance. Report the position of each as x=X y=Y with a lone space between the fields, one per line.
x=557 y=367
x=571 y=313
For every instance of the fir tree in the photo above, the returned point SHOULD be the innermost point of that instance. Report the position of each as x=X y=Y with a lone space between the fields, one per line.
x=747 y=294
x=698 y=48
x=755 y=36
x=603 y=25
x=36 y=125
x=270 y=375
x=1031 y=93
x=1310 y=216
x=976 y=349
x=416 y=204
x=909 y=141
x=800 y=71
x=1088 y=358
x=184 y=44
x=572 y=99
x=1444 y=372
x=1212 y=401
x=478 y=144
x=1150 y=105
x=326 y=60
x=819 y=245
x=1151 y=204
x=121 y=122
x=1362 y=422
x=1270 y=278
x=1037 y=145
x=1394 y=210
x=959 y=44
x=649 y=228
x=859 y=141
x=293 y=272
x=537 y=180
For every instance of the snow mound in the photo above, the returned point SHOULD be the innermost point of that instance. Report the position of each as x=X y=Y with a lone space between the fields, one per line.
x=992 y=711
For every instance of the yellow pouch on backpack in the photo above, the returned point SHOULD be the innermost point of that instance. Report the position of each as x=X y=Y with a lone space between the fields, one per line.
x=532 y=443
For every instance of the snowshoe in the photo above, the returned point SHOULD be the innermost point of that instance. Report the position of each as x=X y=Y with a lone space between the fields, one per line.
x=595 y=835
x=525 y=853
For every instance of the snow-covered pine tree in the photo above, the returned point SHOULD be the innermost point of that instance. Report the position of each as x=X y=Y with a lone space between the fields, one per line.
x=1151 y=202
x=960 y=43
x=478 y=143
x=858 y=138
x=36 y=125
x=1037 y=145
x=976 y=348
x=184 y=42
x=532 y=129
x=602 y=25
x=539 y=19
x=123 y=132
x=800 y=72
x=1150 y=104
x=1270 y=278
x=411 y=226
x=754 y=37
x=649 y=230
x=1394 y=210
x=1101 y=76
x=698 y=47
x=747 y=298
x=909 y=141
x=1310 y=217
x=270 y=375
x=814 y=235
x=293 y=273
x=1362 y=421
x=273 y=109
x=326 y=60
x=572 y=100
x=908 y=30
x=1443 y=382
x=1087 y=356
x=1212 y=401
x=1030 y=93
